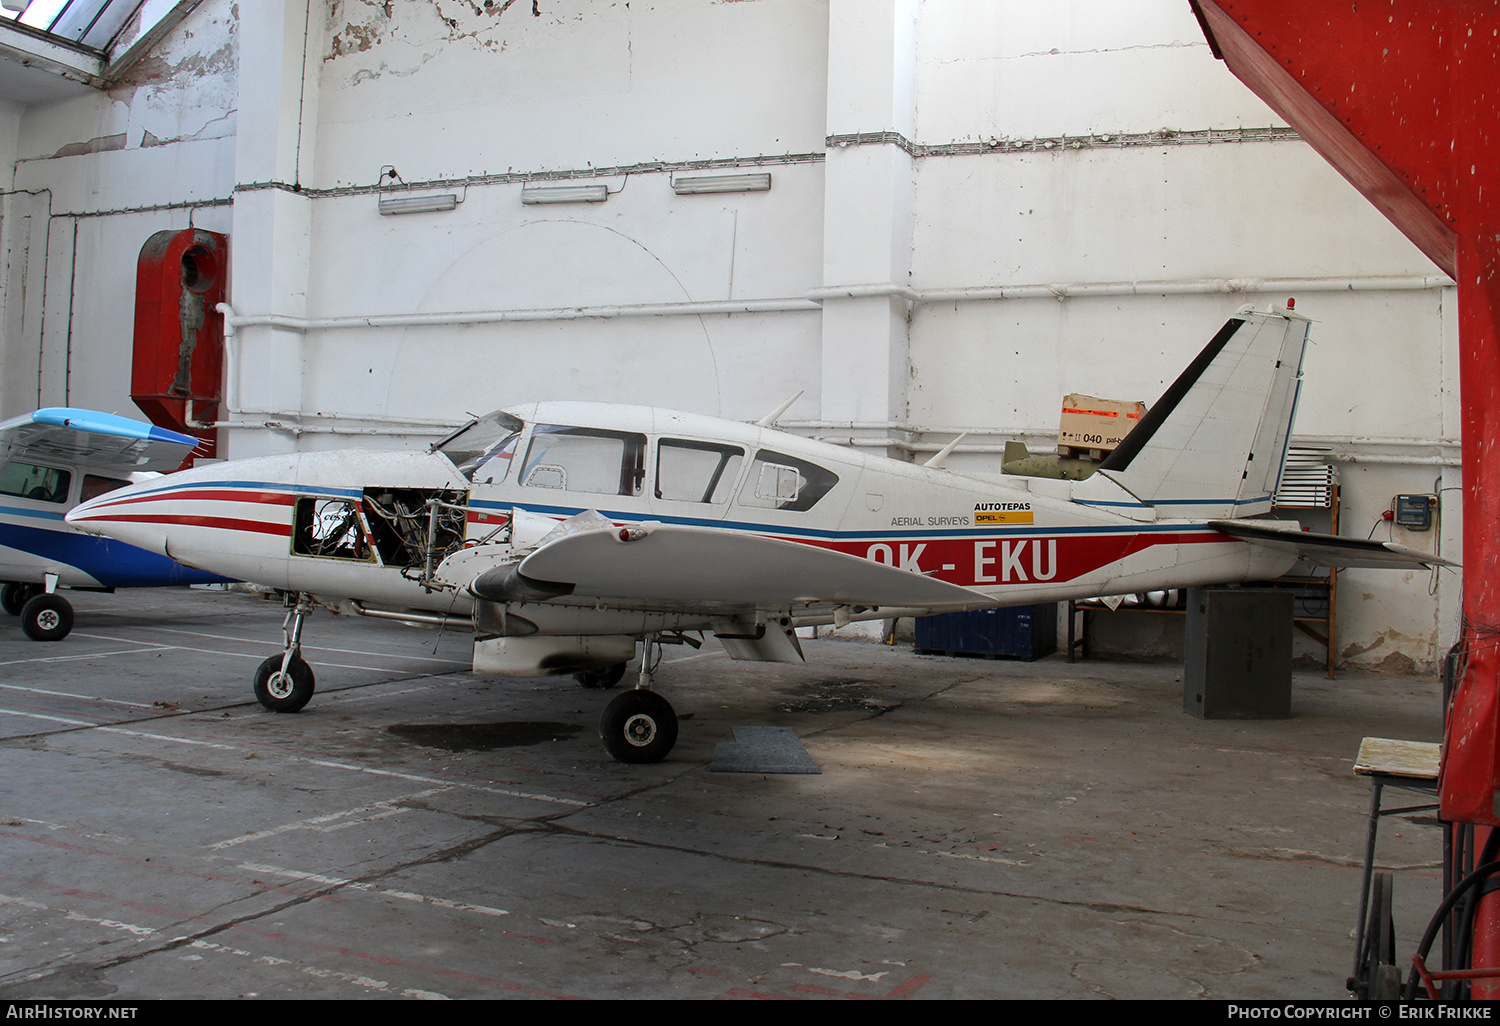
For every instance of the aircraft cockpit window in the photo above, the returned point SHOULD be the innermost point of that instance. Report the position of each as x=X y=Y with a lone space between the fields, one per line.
x=696 y=471
x=491 y=465
x=785 y=482
x=44 y=484
x=330 y=528
x=478 y=437
x=592 y=460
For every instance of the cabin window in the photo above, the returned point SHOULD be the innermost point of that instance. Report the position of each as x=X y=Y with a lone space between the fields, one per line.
x=696 y=471
x=778 y=481
x=330 y=529
x=95 y=486
x=26 y=481
x=573 y=459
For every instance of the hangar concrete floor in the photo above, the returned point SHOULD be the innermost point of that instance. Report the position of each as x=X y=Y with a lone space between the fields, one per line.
x=980 y=829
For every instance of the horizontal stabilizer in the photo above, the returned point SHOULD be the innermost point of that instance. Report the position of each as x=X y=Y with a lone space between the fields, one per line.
x=1331 y=549
x=704 y=568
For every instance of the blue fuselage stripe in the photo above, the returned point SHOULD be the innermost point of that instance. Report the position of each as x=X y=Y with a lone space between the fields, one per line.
x=112 y=563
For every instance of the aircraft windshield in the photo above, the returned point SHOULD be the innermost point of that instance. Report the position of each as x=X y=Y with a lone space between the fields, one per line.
x=483 y=445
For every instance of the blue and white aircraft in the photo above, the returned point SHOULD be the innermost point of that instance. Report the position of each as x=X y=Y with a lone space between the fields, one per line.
x=53 y=460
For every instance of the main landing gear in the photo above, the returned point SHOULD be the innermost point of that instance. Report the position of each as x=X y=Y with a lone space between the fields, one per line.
x=639 y=725
x=14 y=595
x=45 y=616
x=284 y=683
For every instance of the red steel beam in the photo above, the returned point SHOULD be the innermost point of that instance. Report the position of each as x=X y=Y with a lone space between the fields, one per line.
x=1402 y=97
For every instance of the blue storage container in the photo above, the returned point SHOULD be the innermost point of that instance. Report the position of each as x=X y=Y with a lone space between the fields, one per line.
x=1015 y=632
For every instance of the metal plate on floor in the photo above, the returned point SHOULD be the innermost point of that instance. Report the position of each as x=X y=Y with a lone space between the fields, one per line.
x=762 y=750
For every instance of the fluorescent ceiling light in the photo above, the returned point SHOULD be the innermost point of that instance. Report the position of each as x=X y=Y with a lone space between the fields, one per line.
x=564 y=194
x=689 y=184
x=418 y=204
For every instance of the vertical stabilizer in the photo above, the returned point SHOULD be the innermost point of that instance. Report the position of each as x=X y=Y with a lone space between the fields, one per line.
x=1214 y=443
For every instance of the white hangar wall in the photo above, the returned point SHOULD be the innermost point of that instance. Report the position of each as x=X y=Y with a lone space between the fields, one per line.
x=1114 y=176
x=87 y=179
x=977 y=206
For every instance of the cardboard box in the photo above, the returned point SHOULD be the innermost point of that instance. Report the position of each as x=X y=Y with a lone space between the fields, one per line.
x=1095 y=426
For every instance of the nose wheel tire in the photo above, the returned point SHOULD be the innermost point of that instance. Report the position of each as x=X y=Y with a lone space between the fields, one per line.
x=638 y=726
x=47 y=618
x=603 y=678
x=284 y=691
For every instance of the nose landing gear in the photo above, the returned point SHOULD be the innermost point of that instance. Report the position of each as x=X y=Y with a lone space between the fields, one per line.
x=284 y=683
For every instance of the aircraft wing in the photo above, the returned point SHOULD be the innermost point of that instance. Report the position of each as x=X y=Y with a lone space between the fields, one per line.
x=710 y=568
x=1331 y=549
x=92 y=439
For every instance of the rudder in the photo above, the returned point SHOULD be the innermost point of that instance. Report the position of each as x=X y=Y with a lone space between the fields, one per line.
x=1213 y=445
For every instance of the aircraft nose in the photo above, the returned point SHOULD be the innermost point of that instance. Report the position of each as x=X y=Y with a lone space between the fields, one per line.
x=118 y=514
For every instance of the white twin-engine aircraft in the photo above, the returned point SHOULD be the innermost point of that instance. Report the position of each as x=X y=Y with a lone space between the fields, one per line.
x=565 y=533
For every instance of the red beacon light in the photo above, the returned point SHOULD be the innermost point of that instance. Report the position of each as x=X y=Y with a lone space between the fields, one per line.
x=1291 y=304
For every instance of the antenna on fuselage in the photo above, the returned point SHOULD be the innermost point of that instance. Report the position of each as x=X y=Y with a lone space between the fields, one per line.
x=769 y=420
x=936 y=462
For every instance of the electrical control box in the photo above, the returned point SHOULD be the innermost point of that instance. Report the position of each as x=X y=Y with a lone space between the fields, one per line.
x=1414 y=512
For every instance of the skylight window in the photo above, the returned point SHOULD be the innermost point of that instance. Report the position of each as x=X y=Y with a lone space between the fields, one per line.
x=96 y=24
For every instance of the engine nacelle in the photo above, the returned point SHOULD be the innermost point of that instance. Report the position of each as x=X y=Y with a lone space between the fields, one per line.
x=542 y=656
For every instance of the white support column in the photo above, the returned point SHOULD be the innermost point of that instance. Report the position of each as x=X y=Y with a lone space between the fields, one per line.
x=868 y=210
x=270 y=240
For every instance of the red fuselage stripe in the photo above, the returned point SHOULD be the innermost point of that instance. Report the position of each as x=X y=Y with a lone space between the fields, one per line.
x=216 y=495
x=222 y=523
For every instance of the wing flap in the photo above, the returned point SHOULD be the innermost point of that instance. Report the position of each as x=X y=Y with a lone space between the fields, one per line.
x=1331 y=549
x=711 y=568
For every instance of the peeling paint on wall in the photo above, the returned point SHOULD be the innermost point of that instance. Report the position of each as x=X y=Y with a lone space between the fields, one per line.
x=161 y=69
x=187 y=90
x=359 y=26
x=1396 y=659
x=98 y=144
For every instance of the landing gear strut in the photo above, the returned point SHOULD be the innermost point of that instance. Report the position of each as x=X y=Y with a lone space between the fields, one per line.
x=284 y=683
x=639 y=725
x=603 y=678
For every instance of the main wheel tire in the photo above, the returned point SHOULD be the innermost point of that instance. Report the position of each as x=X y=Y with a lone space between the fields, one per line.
x=47 y=618
x=284 y=692
x=14 y=595
x=638 y=726
x=603 y=678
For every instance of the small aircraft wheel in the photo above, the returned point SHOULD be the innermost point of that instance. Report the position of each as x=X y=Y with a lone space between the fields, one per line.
x=14 y=595
x=284 y=692
x=603 y=678
x=638 y=726
x=1378 y=978
x=47 y=618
